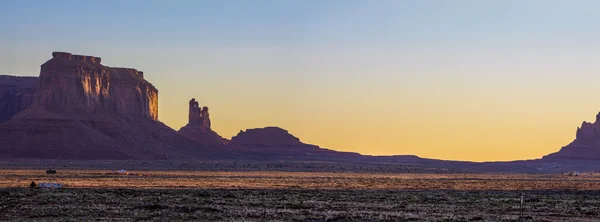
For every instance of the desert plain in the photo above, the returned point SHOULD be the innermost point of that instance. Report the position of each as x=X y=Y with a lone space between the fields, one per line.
x=287 y=195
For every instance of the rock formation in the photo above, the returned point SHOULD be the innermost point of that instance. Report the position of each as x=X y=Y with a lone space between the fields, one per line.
x=277 y=143
x=84 y=110
x=271 y=136
x=198 y=116
x=74 y=83
x=16 y=94
x=586 y=145
x=198 y=127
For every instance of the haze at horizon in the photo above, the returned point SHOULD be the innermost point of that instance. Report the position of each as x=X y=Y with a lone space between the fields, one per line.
x=461 y=80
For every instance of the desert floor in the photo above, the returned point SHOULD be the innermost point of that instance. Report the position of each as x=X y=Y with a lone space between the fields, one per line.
x=263 y=196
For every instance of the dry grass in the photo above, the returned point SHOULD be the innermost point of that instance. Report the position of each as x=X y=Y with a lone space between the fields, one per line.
x=275 y=196
x=298 y=180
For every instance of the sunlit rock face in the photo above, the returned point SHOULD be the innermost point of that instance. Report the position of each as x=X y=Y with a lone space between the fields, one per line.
x=16 y=94
x=198 y=127
x=586 y=145
x=84 y=110
x=75 y=83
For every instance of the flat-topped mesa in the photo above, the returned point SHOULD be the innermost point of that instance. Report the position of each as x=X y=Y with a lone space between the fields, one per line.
x=273 y=136
x=198 y=116
x=69 y=56
x=78 y=84
x=61 y=55
x=129 y=71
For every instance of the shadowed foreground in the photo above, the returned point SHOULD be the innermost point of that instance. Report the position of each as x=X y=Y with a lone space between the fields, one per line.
x=259 y=196
x=293 y=204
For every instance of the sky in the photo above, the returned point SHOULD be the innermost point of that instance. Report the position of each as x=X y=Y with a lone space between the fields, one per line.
x=470 y=80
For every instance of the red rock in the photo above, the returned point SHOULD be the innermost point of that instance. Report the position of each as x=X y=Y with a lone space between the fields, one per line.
x=75 y=83
x=84 y=110
x=16 y=94
x=586 y=145
x=277 y=143
x=265 y=136
x=198 y=127
x=197 y=115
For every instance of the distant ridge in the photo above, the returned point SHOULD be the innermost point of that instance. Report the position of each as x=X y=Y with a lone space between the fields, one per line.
x=79 y=109
x=586 y=145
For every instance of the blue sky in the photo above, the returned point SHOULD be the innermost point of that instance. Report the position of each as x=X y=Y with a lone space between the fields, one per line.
x=385 y=23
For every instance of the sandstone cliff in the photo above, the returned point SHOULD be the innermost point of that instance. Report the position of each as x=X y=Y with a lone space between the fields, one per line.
x=198 y=127
x=74 y=84
x=84 y=110
x=16 y=94
x=586 y=145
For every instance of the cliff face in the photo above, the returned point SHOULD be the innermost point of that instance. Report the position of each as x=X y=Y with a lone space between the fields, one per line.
x=198 y=127
x=16 y=94
x=73 y=84
x=84 y=110
x=586 y=145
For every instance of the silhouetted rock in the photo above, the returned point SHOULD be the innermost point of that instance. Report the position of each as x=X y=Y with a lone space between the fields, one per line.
x=198 y=115
x=16 y=94
x=278 y=144
x=198 y=127
x=272 y=136
x=84 y=110
x=586 y=145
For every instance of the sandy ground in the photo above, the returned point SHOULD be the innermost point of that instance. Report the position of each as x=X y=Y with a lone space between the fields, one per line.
x=303 y=196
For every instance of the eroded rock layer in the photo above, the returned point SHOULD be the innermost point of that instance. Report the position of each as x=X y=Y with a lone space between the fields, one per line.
x=84 y=110
x=198 y=127
x=74 y=84
x=586 y=145
x=16 y=94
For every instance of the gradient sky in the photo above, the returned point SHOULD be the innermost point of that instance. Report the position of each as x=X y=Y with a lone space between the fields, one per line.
x=462 y=80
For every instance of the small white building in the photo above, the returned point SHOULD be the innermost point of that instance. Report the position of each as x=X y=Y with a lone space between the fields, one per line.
x=50 y=185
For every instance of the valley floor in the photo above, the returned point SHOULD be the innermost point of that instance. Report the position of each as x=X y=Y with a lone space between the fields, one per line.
x=262 y=196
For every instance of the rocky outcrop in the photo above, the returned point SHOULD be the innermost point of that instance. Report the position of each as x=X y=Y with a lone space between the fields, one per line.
x=198 y=116
x=586 y=145
x=84 y=110
x=271 y=136
x=75 y=83
x=275 y=143
x=198 y=127
x=16 y=94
